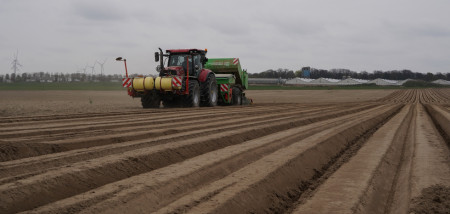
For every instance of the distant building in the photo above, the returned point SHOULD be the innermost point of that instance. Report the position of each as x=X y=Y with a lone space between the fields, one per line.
x=306 y=72
x=299 y=81
x=380 y=81
x=351 y=81
x=266 y=81
x=401 y=82
x=441 y=82
x=325 y=81
x=329 y=81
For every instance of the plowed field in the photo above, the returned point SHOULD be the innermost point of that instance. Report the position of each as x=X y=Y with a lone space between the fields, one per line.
x=371 y=156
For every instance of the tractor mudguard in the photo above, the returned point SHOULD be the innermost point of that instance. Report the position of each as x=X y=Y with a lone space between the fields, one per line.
x=203 y=74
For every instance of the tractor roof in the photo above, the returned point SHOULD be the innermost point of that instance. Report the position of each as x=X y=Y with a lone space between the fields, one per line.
x=175 y=51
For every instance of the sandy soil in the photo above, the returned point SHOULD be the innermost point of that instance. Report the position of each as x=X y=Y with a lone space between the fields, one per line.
x=434 y=199
x=316 y=96
x=382 y=154
x=23 y=103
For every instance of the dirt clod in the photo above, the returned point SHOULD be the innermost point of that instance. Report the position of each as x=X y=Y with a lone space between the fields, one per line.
x=434 y=199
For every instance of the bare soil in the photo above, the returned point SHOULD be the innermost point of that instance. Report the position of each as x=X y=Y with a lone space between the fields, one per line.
x=25 y=103
x=316 y=96
x=291 y=152
x=434 y=199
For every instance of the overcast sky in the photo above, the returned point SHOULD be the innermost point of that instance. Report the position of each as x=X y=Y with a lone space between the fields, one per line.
x=64 y=36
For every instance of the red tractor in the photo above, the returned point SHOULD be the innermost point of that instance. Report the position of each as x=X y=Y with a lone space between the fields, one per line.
x=187 y=81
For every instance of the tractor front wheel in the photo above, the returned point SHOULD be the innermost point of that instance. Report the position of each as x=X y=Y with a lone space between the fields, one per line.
x=236 y=96
x=150 y=100
x=209 y=91
x=193 y=98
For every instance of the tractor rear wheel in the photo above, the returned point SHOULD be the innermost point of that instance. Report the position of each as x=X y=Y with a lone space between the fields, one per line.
x=193 y=98
x=209 y=91
x=236 y=96
x=150 y=100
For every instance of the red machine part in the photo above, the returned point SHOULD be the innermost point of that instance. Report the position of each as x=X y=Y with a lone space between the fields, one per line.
x=224 y=87
x=126 y=70
x=126 y=82
x=176 y=81
x=179 y=70
x=187 y=76
x=183 y=50
x=203 y=75
x=226 y=91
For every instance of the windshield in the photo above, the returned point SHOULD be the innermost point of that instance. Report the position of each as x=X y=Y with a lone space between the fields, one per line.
x=178 y=60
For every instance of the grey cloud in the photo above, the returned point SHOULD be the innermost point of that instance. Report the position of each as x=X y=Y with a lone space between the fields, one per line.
x=417 y=29
x=293 y=25
x=98 y=11
x=430 y=31
x=376 y=34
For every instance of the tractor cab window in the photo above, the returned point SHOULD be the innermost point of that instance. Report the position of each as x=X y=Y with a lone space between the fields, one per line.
x=197 y=61
x=178 y=60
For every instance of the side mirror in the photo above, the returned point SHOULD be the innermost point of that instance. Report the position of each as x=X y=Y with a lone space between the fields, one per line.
x=119 y=59
x=156 y=57
x=205 y=60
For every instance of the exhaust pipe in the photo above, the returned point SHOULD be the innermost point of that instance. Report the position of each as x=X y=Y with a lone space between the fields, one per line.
x=161 y=59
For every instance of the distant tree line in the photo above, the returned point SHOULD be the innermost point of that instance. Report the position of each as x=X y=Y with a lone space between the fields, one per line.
x=279 y=73
x=62 y=77
x=346 y=73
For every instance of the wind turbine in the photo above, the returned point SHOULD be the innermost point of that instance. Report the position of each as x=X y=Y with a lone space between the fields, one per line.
x=84 y=69
x=82 y=77
x=15 y=63
x=101 y=66
x=92 y=71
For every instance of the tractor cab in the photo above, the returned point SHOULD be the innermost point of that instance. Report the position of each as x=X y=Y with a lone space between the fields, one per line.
x=181 y=61
x=187 y=78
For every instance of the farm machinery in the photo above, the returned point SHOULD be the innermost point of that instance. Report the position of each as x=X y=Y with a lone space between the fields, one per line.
x=190 y=80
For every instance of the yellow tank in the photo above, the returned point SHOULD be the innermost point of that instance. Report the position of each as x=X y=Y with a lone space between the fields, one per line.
x=163 y=83
x=143 y=83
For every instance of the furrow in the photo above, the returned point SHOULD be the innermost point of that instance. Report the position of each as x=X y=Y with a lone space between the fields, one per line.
x=137 y=142
x=115 y=167
x=83 y=116
x=401 y=159
x=391 y=97
x=167 y=182
x=25 y=120
x=16 y=150
x=113 y=122
x=143 y=114
x=426 y=163
x=268 y=184
x=137 y=123
x=430 y=165
x=363 y=184
x=441 y=119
